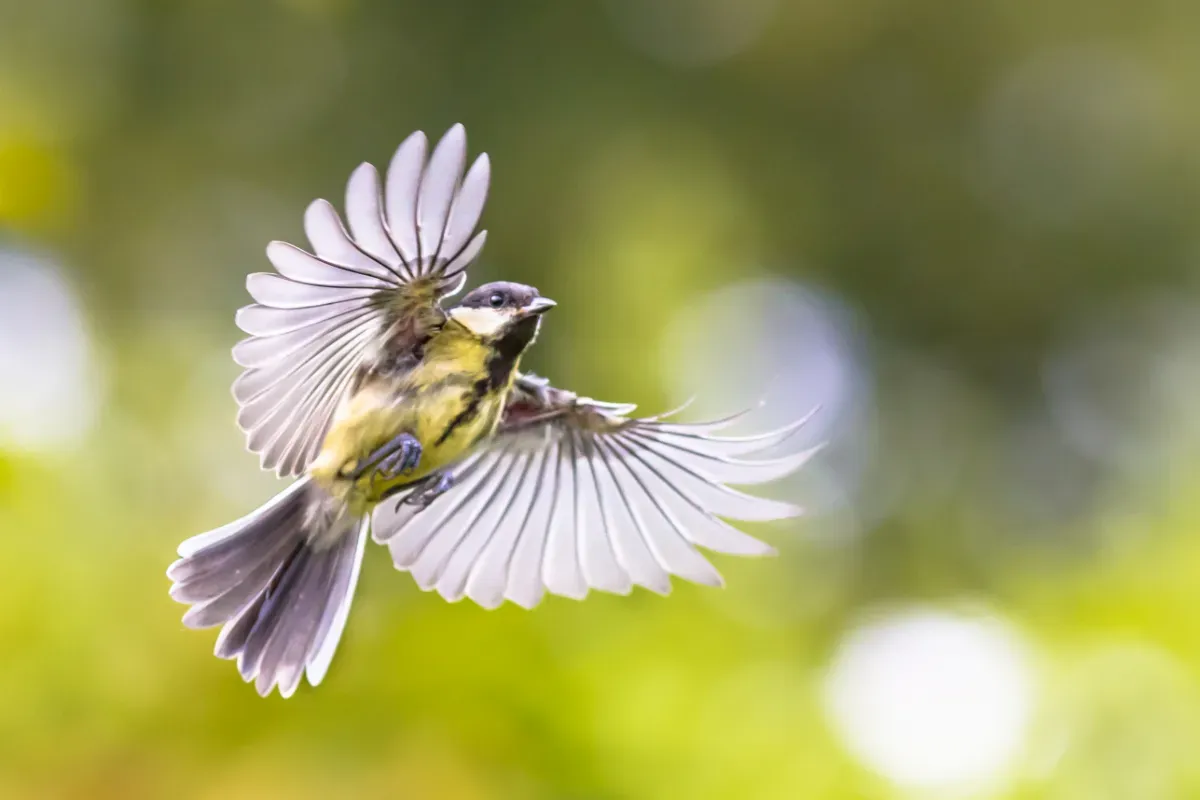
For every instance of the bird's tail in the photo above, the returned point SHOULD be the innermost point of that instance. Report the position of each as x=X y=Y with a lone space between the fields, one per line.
x=280 y=580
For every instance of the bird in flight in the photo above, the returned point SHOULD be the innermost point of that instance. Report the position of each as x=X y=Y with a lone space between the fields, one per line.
x=410 y=423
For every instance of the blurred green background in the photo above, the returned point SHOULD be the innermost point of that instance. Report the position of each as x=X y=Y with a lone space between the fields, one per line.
x=967 y=230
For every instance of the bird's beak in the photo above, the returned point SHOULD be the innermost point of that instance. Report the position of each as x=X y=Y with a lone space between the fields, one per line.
x=538 y=305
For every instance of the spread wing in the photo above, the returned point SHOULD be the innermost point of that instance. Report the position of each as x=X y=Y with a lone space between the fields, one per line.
x=573 y=494
x=316 y=318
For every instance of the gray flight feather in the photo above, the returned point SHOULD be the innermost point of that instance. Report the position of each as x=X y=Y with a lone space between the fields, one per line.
x=280 y=587
x=315 y=318
x=579 y=496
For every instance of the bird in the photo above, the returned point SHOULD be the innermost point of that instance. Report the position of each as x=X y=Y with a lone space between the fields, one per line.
x=407 y=420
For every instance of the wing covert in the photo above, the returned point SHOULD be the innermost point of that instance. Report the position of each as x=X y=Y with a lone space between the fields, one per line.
x=316 y=318
x=573 y=494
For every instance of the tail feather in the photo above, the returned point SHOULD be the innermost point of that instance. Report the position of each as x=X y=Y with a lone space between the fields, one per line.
x=281 y=589
x=234 y=584
x=275 y=618
x=240 y=544
x=333 y=619
x=205 y=541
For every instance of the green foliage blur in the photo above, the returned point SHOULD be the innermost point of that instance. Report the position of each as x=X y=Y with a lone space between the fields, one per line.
x=1003 y=194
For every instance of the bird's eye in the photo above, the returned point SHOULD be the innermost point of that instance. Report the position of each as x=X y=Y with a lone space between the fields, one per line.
x=496 y=300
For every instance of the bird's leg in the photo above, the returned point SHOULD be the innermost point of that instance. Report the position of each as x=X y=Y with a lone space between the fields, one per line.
x=431 y=491
x=401 y=454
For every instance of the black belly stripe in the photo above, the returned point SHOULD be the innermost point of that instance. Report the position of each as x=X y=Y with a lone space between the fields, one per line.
x=478 y=390
x=500 y=366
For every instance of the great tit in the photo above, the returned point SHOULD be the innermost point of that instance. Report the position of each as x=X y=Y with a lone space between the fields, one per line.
x=411 y=423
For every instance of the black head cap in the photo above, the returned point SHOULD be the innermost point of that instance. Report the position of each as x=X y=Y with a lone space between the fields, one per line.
x=500 y=294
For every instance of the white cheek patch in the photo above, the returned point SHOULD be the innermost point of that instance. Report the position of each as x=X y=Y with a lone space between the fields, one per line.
x=483 y=322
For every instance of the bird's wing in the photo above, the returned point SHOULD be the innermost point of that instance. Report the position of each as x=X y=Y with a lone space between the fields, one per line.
x=572 y=494
x=316 y=318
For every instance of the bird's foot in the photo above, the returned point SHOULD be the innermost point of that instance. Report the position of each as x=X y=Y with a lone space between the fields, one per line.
x=402 y=454
x=432 y=491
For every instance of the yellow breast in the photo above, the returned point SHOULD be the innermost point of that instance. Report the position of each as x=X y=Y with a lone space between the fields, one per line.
x=441 y=402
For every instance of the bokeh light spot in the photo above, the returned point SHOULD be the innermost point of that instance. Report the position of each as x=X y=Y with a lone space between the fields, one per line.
x=795 y=351
x=766 y=340
x=932 y=700
x=47 y=368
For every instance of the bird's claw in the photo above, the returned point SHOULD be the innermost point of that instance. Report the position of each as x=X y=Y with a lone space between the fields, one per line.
x=402 y=454
x=403 y=460
x=421 y=499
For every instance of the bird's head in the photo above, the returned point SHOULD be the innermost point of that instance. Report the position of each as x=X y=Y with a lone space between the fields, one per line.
x=503 y=313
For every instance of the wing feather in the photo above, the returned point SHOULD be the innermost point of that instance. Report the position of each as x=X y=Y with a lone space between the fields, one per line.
x=488 y=576
x=262 y=321
x=364 y=215
x=300 y=405
x=669 y=542
x=596 y=553
x=563 y=568
x=332 y=243
x=407 y=534
x=432 y=561
x=276 y=291
x=263 y=390
x=666 y=541
x=571 y=495
x=467 y=208
x=258 y=351
x=294 y=264
x=699 y=525
x=501 y=524
x=316 y=317
x=632 y=549
x=438 y=185
x=724 y=445
x=403 y=182
x=524 y=581
x=724 y=469
x=460 y=262
x=705 y=491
